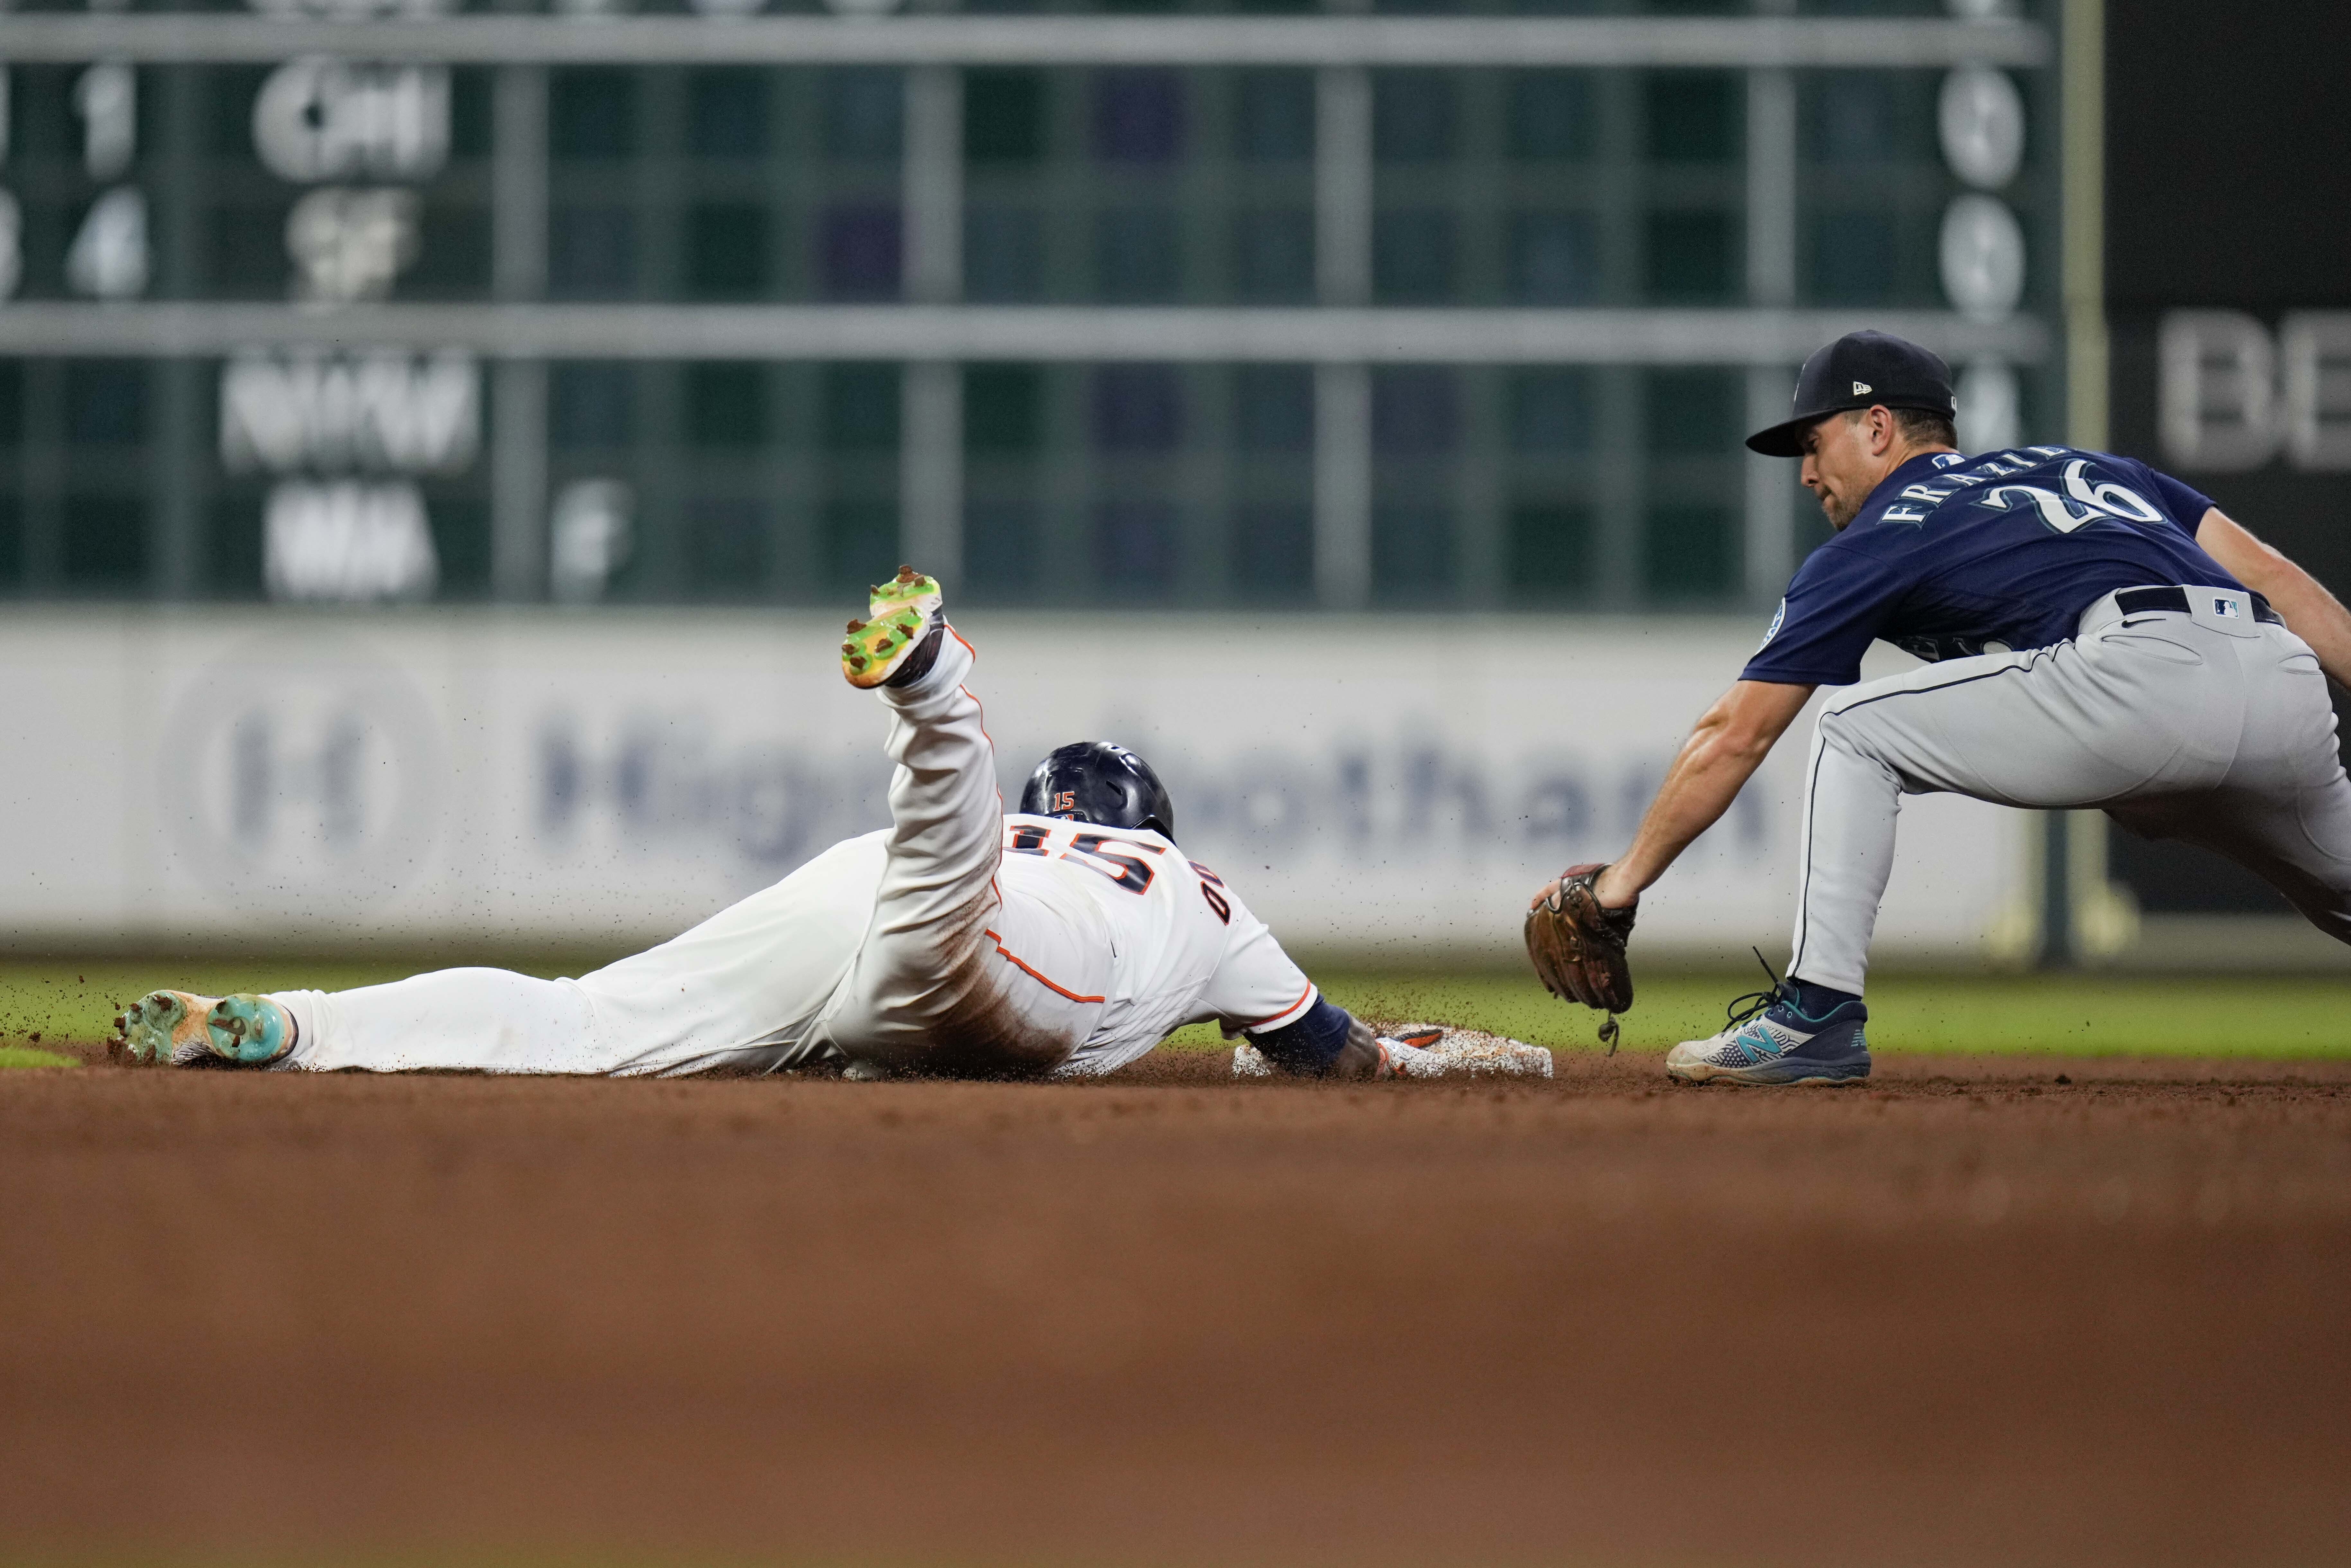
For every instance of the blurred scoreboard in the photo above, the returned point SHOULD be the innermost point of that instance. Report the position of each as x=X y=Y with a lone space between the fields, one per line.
x=349 y=301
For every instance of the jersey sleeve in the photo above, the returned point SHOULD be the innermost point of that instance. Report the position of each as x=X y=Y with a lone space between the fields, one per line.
x=1255 y=986
x=1838 y=602
x=2184 y=503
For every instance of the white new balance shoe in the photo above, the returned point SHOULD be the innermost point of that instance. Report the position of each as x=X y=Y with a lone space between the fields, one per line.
x=1771 y=1041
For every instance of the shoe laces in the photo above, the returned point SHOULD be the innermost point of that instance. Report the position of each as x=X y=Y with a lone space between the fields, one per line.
x=1743 y=1009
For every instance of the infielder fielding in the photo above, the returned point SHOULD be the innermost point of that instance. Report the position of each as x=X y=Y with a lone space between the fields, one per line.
x=2099 y=634
x=1066 y=940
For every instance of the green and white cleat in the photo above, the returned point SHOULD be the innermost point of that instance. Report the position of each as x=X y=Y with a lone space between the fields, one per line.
x=179 y=1029
x=902 y=612
x=909 y=589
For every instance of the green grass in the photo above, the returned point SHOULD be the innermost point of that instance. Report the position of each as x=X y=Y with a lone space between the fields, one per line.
x=2084 y=1015
x=70 y=999
x=2072 y=1014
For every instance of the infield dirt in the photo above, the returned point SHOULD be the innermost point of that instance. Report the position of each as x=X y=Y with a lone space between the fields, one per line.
x=1973 y=1313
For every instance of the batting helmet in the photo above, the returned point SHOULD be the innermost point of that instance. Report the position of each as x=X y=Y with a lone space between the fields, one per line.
x=1094 y=782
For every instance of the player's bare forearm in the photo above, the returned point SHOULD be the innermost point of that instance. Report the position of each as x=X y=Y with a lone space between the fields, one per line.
x=2311 y=613
x=1730 y=742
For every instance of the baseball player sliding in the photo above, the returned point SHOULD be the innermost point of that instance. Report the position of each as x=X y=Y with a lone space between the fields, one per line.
x=2100 y=634
x=1066 y=940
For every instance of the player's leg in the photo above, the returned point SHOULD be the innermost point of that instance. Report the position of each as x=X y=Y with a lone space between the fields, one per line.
x=2072 y=726
x=473 y=1019
x=2283 y=812
x=2062 y=726
x=486 y=1019
x=737 y=992
x=2299 y=843
x=741 y=991
x=928 y=990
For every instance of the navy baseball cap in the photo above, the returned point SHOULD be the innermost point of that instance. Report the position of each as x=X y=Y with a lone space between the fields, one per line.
x=1860 y=370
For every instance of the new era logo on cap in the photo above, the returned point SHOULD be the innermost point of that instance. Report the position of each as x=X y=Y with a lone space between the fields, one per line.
x=1861 y=389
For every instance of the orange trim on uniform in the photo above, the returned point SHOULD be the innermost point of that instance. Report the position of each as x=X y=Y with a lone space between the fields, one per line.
x=1303 y=998
x=1014 y=960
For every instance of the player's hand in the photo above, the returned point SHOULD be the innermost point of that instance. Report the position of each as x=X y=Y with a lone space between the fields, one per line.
x=1361 y=1057
x=1419 y=1051
x=1428 y=1051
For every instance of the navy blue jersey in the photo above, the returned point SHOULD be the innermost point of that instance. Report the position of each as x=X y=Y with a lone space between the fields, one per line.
x=1953 y=555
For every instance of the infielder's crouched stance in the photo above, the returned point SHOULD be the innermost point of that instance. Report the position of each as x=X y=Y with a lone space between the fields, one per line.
x=1066 y=940
x=2102 y=635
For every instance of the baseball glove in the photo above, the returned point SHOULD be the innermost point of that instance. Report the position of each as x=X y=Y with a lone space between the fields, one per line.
x=1578 y=948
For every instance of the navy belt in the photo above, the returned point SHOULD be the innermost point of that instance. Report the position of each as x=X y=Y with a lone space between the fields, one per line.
x=2139 y=600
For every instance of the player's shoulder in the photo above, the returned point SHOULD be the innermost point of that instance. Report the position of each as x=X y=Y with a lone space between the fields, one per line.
x=1071 y=826
x=1133 y=857
x=2065 y=482
x=1949 y=486
x=1987 y=470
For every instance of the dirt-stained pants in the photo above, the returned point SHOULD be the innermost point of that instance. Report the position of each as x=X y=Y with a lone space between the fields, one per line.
x=892 y=947
x=949 y=977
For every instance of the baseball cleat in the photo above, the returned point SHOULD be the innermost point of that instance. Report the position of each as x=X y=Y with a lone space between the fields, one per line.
x=250 y=1029
x=163 y=1026
x=180 y=1029
x=898 y=612
x=1769 y=1040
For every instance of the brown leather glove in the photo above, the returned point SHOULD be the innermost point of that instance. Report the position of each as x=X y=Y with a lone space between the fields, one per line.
x=1578 y=948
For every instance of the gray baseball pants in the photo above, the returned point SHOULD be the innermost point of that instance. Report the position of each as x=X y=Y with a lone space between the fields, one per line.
x=2208 y=726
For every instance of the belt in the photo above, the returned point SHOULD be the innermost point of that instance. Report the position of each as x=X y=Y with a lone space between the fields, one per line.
x=2140 y=600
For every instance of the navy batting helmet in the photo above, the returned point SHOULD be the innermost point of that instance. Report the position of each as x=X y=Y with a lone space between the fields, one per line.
x=1094 y=782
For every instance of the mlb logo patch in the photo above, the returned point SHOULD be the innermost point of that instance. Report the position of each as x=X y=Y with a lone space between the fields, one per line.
x=2225 y=608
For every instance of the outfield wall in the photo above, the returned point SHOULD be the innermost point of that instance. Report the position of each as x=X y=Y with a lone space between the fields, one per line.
x=1391 y=789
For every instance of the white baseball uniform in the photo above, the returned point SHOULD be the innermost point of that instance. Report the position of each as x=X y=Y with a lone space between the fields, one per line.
x=957 y=940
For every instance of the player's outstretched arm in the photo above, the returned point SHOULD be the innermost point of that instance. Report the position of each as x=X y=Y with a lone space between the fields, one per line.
x=1721 y=753
x=1329 y=1042
x=2311 y=613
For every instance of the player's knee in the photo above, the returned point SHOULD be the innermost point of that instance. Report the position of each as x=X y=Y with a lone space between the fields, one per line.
x=1848 y=728
x=1835 y=727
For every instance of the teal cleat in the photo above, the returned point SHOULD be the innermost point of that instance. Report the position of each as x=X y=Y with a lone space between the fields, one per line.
x=181 y=1028
x=249 y=1031
x=162 y=1029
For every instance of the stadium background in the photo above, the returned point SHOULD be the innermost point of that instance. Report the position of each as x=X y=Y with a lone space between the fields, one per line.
x=1243 y=398
x=434 y=450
